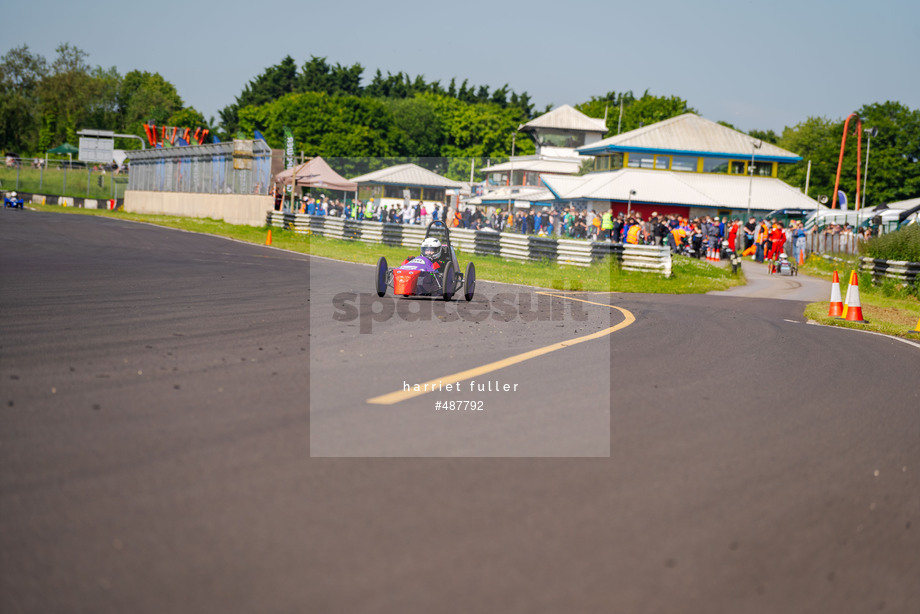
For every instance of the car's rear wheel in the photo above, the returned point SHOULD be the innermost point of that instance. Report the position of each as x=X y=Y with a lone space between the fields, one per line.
x=381 y=280
x=448 y=281
x=469 y=282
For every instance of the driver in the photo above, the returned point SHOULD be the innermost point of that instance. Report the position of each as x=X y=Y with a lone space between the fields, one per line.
x=431 y=249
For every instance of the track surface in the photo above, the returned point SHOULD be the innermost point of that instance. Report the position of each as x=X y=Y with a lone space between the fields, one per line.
x=791 y=288
x=158 y=390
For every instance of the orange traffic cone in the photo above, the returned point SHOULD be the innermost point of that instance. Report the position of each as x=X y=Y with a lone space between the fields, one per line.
x=801 y=257
x=846 y=301
x=836 y=304
x=854 y=309
x=268 y=239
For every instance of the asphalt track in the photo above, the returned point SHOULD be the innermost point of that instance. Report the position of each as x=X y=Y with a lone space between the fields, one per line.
x=172 y=405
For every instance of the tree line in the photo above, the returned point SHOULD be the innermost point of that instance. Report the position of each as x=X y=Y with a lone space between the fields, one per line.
x=396 y=116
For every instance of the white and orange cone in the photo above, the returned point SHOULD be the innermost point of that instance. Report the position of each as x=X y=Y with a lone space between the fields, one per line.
x=846 y=301
x=854 y=309
x=836 y=308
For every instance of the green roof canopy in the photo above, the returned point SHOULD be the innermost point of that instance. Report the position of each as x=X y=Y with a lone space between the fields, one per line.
x=64 y=149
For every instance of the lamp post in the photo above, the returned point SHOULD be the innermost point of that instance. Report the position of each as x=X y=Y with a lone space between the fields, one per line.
x=511 y=172
x=629 y=202
x=755 y=145
x=870 y=132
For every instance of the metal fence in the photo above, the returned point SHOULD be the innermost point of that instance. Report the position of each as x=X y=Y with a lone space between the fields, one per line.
x=62 y=177
x=240 y=167
x=829 y=243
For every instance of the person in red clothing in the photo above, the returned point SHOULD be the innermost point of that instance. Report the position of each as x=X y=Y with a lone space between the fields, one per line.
x=733 y=234
x=778 y=239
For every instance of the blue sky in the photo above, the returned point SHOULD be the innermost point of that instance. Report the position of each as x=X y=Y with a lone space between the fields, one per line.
x=764 y=64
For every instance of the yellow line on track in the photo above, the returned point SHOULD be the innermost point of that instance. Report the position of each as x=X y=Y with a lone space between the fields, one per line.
x=402 y=395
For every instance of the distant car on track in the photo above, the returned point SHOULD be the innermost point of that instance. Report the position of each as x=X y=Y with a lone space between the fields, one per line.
x=12 y=200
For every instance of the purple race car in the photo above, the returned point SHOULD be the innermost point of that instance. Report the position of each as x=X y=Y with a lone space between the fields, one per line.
x=435 y=272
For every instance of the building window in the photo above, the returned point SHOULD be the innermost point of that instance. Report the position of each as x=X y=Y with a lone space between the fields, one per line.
x=366 y=193
x=715 y=165
x=637 y=160
x=392 y=191
x=683 y=163
x=560 y=138
x=498 y=179
x=738 y=168
x=763 y=169
x=434 y=194
x=662 y=163
x=602 y=163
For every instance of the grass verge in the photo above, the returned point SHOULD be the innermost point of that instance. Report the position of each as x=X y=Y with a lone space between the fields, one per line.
x=689 y=276
x=889 y=308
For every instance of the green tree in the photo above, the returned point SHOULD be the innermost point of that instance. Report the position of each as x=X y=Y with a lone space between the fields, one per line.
x=21 y=72
x=767 y=136
x=66 y=93
x=273 y=83
x=102 y=112
x=817 y=139
x=894 y=155
x=317 y=75
x=325 y=125
x=188 y=117
x=422 y=128
x=637 y=112
x=894 y=158
x=146 y=97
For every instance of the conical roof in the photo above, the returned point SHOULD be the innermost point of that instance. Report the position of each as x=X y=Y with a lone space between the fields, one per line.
x=567 y=117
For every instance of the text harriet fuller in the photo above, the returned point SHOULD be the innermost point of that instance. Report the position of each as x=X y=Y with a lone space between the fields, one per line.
x=474 y=386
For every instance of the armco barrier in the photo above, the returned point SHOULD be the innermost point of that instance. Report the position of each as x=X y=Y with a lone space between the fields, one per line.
x=514 y=246
x=901 y=270
x=488 y=243
x=648 y=258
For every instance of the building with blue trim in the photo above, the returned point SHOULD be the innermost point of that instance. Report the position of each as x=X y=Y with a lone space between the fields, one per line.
x=686 y=165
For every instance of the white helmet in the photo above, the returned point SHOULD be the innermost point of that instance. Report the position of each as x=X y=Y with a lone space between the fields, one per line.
x=431 y=248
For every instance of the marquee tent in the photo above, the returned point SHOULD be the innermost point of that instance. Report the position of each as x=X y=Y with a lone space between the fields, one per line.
x=64 y=149
x=316 y=174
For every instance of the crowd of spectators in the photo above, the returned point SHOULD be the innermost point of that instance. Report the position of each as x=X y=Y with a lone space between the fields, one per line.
x=761 y=239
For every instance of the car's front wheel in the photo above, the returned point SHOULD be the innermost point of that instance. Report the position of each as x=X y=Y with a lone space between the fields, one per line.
x=448 y=281
x=469 y=282
x=381 y=278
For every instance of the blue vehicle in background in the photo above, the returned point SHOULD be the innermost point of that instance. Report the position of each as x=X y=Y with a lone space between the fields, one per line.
x=12 y=200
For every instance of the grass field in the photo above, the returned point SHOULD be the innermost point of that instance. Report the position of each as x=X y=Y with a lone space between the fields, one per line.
x=689 y=276
x=888 y=307
x=71 y=182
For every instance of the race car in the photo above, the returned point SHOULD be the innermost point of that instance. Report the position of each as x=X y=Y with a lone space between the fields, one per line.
x=13 y=201
x=434 y=272
x=783 y=266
